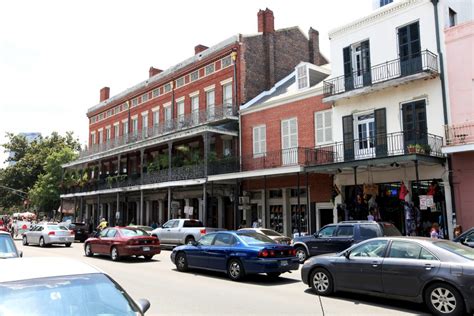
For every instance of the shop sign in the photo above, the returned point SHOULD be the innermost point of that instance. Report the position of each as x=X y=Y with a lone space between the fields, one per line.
x=188 y=210
x=426 y=201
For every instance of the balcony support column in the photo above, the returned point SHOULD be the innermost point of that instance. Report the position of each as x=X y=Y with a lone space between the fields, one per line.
x=205 y=139
x=119 y=158
x=161 y=213
x=117 y=210
x=299 y=204
x=204 y=204
x=265 y=221
x=81 y=209
x=236 y=204
x=141 y=214
x=169 y=202
x=170 y=149
x=308 y=204
x=355 y=175
x=99 y=211
x=220 y=211
x=142 y=154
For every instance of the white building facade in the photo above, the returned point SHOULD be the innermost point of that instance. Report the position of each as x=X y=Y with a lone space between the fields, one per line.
x=388 y=117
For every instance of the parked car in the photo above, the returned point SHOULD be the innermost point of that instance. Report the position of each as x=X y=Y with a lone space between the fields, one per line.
x=340 y=236
x=45 y=234
x=81 y=230
x=466 y=238
x=438 y=272
x=181 y=232
x=7 y=247
x=148 y=229
x=270 y=233
x=121 y=242
x=61 y=286
x=237 y=253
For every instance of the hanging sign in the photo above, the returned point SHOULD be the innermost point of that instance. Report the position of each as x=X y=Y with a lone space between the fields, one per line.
x=426 y=201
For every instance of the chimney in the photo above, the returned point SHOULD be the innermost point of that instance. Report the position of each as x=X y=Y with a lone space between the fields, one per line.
x=104 y=93
x=266 y=21
x=153 y=71
x=199 y=48
x=313 y=44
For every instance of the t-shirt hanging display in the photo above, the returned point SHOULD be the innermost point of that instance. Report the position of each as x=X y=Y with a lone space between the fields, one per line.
x=426 y=201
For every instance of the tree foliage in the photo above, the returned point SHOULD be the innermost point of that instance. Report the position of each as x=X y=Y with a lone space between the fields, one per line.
x=30 y=164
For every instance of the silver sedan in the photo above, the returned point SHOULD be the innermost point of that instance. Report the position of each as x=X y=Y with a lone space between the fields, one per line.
x=47 y=234
x=276 y=236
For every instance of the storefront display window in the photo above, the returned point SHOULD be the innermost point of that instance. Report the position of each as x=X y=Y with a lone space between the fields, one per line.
x=297 y=217
x=276 y=218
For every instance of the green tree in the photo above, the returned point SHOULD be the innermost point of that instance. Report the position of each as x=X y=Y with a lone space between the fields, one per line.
x=45 y=193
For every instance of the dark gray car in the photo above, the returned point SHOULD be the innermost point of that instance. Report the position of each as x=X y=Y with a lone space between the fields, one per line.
x=437 y=272
x=466 y=238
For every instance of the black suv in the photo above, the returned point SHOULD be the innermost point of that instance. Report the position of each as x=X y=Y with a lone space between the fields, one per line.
x=340 y=236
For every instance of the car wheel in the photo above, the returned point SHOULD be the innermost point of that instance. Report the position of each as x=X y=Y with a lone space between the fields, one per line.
x=88 y=251
x=321 y=281
x=67 y=244
x=181 y=262
x=301 y=254
x=189 y=240
x=274 y=275
x=25 y=241
x=41 y=242
x=235 y=270
x=148 y=257
x=114 y=254
x=443 y=299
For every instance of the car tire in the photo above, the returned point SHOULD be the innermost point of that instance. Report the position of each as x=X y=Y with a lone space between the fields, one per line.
x=88 y=250
x=67 y=244
x=301 y=254
x=235 y=270
x=24 y=241
x=189 y=240
x=181 y=262
x=114 y=254
x=41 y=242
x=274 y=275
x=148 y=257
x=444 y=299
x=321 y=281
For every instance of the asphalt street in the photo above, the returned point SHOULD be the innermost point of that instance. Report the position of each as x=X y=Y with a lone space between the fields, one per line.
x=206 y=293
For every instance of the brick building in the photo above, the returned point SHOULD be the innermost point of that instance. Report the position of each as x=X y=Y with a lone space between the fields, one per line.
x=279 y=129
x=154 y=147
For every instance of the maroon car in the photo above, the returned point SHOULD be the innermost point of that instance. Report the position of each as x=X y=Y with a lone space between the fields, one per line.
x=122 y=242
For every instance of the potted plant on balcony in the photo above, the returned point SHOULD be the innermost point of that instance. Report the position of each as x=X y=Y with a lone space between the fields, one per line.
x=427 y=149
x=110 y=181
x=416 y=149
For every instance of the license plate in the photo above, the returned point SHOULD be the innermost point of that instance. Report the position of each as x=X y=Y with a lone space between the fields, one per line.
x=146 y=248
x=62 y=239
x=283 y=263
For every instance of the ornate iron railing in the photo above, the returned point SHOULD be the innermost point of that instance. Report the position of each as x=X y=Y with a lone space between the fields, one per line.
x=378 y=146
x=397 y=68
x=459 y=134
x=180 y=123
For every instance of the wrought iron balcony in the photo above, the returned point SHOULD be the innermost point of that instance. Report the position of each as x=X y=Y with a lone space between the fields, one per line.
x=378 y=146
x=427 y=62
x=459 y=134
x=180 y=123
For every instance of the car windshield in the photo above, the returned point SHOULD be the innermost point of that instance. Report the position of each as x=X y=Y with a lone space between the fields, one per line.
x=390 y=230
x=86 y=294
x=252 y=238
x=193 y=223
x=130 y=232
x=56 y=227
x=455 y=248
x=7 y=248
x=270 y=232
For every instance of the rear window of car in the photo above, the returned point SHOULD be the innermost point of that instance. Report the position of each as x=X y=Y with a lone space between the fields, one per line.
x=56 y=227
x=251 y=238
x=193 y=224
x=460 y=250
x=345 y=231
x=129 y=232
x=368 y=231
x=7 y=248
x=270 y=232
x=389 y=229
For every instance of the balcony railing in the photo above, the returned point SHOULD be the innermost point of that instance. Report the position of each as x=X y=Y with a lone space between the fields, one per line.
x=393 y=69
x=459 y=134
x=183 y=122
x=378 y=146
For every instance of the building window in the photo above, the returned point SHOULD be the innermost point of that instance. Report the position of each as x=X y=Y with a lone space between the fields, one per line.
x=107 y=134
x=125 y=128
x=101 y=116
x=116 y=131
x=179 y=82
x=109 y=113
x=194 y=75
x=100 y=137
x=134 y=102
x=452 y=17
x=144 y=97
x=210 y=103
x=226 y=62
x=92 y=138
x=125 y=106
x=167 y=87
x=135 y=126
x=195 y=109
x=385 y=2
x=302 y=76
x=259 y=141
x=323 y=124
x=156 y=118
x=156 y=92
x=227 y=95
x=289 y=141
x=209 y=69
x=145 y=125
x=180 y=106
x=227 y=147
x=365 y=135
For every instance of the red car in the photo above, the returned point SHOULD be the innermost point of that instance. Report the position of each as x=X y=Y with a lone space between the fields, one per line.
x=122 y=242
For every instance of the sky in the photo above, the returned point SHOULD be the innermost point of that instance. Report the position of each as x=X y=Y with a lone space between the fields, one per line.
x=55 y=56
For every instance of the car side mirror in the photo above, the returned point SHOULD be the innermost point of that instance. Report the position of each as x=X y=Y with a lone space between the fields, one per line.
x=347 y=254
x=20 y=254
x=143 y=305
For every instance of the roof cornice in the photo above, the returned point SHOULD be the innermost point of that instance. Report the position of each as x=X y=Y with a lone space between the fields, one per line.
x=387 y=10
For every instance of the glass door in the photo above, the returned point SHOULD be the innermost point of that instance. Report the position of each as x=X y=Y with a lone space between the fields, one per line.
x=365 y=145
x=415 y=128
x=409 y=49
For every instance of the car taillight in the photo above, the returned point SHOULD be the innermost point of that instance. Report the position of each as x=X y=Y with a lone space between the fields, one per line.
x=71 y=232
x=51 y=233
x=203 y=231
x=263 y=253
x=156 y=241
x=292 y=252
x=133 y=242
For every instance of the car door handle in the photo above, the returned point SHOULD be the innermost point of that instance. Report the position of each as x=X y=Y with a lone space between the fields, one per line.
x=428 y=267
x=375 y=264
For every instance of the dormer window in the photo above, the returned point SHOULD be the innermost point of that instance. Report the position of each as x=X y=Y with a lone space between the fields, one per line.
x=302 y=77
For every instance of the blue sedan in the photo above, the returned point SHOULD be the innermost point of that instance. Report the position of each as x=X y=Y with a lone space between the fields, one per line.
x=237 y=253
